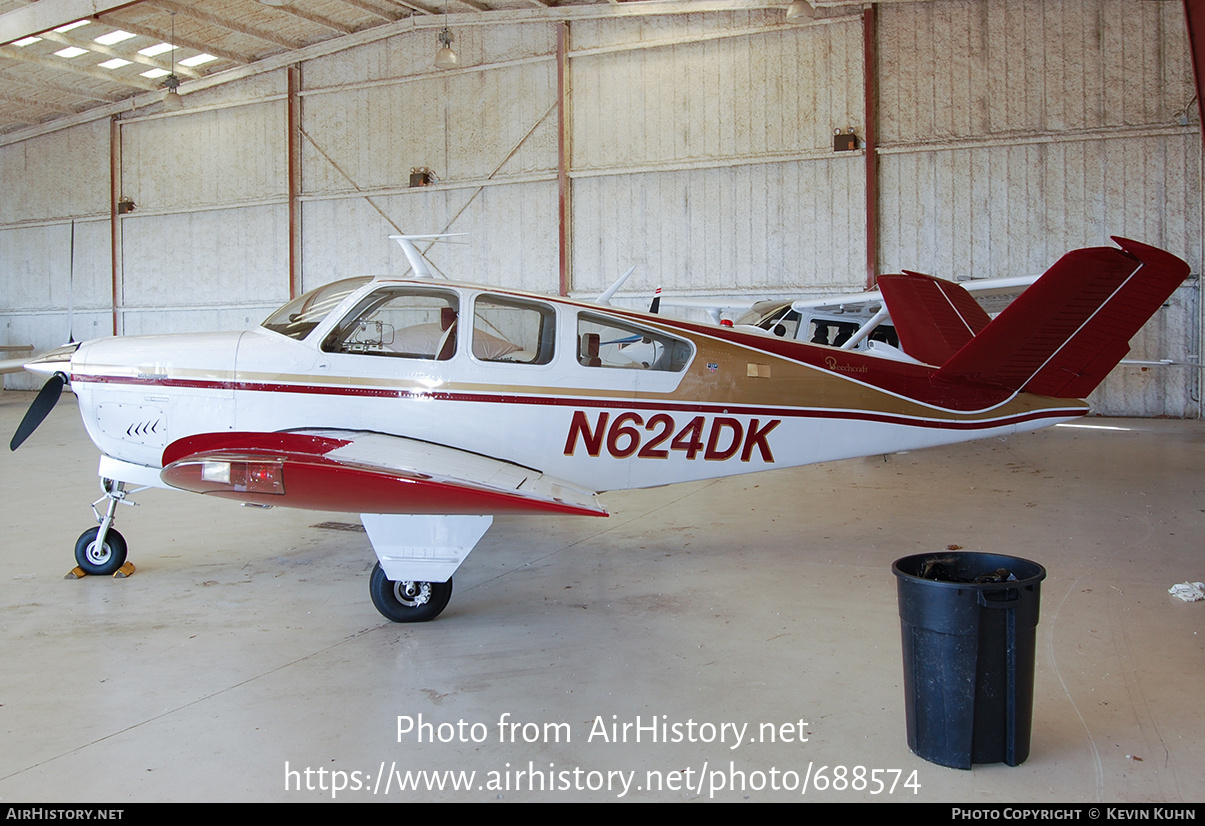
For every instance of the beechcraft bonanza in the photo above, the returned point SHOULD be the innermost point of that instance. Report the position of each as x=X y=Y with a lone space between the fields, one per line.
x=428 y=406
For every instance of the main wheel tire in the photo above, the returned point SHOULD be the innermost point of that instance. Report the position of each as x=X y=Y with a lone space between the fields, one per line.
x=100 y=560
x=408 y=601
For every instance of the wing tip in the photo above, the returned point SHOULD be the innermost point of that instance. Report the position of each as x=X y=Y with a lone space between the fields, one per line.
x=1153 y=256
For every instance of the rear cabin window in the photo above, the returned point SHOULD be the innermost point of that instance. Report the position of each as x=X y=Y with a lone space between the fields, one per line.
x=513 y=330
x=607 y=342
x=399 y=322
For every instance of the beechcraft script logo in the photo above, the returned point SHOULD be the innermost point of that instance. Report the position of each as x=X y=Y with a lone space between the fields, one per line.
x=629 y=434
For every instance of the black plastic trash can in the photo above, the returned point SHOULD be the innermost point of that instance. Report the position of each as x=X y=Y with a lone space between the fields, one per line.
x=968 y=622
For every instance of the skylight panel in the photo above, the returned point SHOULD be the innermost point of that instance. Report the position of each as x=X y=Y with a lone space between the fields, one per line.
x=155 y=73
x=71 y=26
x=151 y=51
x=25 y=41
x=71 y=51
x=197 y=60
x=115 y=63
x=114 y=37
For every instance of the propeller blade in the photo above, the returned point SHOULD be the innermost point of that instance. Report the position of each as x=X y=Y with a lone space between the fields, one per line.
x=45 y=401
x=71 y=290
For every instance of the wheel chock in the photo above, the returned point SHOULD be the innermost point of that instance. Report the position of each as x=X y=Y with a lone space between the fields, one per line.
x=124 y=571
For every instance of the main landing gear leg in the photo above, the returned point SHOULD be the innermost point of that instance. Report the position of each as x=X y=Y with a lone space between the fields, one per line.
x=101 y=551
x=416 y=557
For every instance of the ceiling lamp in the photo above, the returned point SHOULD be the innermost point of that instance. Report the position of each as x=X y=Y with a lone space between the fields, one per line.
x=801 y=11
x=445 y=58
x=172 y=102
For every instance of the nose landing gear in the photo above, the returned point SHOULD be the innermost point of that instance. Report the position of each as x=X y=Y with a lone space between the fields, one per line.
x=101 y=551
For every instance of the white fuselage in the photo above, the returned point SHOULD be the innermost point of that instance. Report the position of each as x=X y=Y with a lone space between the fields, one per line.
x=732 y=409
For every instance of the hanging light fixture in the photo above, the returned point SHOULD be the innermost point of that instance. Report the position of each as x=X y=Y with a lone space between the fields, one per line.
x=445 y=58
x=800 y=11
x=172 y=102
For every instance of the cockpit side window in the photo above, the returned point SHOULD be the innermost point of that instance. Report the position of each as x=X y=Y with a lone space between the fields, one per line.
x=607 y=342
x=784 y=323
x=402 y=322
x=831 y=332
x=513 y=330
x=886 y=334
x=835 y=333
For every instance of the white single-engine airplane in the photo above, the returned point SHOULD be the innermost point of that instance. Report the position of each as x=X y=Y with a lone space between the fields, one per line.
x=428 y=406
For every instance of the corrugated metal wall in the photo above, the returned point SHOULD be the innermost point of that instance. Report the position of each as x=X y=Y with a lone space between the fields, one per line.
x=52 y=187
x=1048 y=123
x=702 y=150
x=207 y=243
x=1011 y=132
x=487 y=131
x=698 y=146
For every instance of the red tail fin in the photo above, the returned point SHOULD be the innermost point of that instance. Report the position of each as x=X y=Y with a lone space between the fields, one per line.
x=1063 y=335
x=933 y=318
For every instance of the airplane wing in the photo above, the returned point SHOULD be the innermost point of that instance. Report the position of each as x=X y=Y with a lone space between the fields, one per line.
x=364 y=472
x=992 y=293
x=13 y=365
x=981 y=288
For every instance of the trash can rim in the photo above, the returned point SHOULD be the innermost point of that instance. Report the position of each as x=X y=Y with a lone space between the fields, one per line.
x=1038 y=576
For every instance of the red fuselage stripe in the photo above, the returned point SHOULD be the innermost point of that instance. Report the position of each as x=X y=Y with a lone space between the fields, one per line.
x=557 y=401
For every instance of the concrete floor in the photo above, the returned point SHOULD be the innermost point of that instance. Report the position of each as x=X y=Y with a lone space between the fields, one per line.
x=245 y=650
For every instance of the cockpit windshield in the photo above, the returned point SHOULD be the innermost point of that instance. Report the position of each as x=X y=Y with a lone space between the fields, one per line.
x=762 y=310
x=301 y=315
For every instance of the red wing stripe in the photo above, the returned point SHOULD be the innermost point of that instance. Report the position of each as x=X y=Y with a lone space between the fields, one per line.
x=300 y=444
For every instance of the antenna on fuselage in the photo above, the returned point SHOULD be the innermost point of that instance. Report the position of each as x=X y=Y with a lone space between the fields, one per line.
x=605 y=298
x=420 y=265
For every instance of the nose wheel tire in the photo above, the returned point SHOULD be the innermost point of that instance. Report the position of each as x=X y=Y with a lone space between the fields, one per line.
x=407 y=601
x=100 y=560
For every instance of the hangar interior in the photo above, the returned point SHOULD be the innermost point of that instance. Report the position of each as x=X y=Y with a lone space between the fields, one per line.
x=694 y=139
